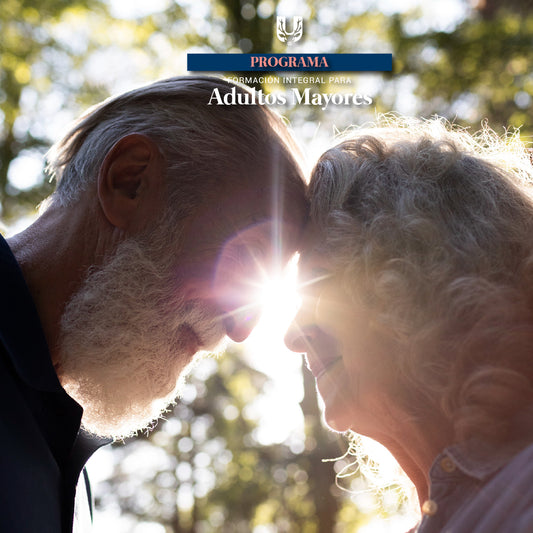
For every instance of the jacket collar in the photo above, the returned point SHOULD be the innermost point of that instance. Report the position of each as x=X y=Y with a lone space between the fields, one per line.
x=479 y=459
x=21 y=332
x=22 y=335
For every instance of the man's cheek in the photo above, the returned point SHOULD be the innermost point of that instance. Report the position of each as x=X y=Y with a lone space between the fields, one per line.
x=238 y=279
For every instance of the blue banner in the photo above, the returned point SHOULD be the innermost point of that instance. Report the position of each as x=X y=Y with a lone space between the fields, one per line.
x=287 y=62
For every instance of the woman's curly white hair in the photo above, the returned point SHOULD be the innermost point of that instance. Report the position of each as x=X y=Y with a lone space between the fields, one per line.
x=431 y=228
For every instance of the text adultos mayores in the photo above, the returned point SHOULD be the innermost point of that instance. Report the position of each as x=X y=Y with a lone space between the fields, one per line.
x=293 y=96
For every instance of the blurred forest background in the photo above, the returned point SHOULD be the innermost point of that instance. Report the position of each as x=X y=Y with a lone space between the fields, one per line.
x=214 y=464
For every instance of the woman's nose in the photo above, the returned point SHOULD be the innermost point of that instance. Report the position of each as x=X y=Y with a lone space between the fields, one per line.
x=300 y=336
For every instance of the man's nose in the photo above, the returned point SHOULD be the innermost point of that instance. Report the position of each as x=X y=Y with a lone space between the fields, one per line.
x=240 y=324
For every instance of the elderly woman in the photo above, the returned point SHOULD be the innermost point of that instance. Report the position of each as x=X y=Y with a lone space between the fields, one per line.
x=417 y=318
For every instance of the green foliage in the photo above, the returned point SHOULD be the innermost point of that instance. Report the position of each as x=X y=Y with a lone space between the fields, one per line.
x=479 y=71
x=28 y=55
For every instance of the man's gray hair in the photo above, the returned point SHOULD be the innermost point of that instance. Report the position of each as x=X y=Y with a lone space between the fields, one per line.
x=205 y=146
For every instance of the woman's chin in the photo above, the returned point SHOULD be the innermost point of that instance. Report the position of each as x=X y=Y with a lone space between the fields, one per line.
x=334 y=388
x=337 y=418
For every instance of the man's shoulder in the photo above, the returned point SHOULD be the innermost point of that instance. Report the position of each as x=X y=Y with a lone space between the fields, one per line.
x=30 y=485
x=21 y=332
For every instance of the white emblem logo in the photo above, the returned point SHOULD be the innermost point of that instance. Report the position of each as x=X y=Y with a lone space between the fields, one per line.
x=297 y=29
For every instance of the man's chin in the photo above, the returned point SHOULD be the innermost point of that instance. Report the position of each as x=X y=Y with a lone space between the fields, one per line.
x=110 y=420
x=118 y=402
x=112 y=410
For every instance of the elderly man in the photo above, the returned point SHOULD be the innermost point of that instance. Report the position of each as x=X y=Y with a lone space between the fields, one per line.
x=167 y=210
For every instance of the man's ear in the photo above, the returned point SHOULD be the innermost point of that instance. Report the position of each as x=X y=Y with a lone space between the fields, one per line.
x=130 y=182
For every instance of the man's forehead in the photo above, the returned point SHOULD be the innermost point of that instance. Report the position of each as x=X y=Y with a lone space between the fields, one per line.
x=282 y=236
x=276 y=201
x=243 y=216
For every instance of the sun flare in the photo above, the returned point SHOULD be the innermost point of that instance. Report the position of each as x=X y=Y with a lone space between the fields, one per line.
x=279 y=299
x=279 y=405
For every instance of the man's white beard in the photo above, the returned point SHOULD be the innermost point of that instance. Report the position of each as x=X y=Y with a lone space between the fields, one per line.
x=126 y=337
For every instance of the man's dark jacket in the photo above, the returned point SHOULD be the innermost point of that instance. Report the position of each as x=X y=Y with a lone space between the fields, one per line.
x=42 y=450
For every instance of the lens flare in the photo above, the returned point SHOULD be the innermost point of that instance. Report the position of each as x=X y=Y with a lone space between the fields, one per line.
x=278 y=297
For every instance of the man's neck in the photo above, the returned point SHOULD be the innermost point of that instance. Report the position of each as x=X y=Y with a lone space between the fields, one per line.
x=54 y=254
